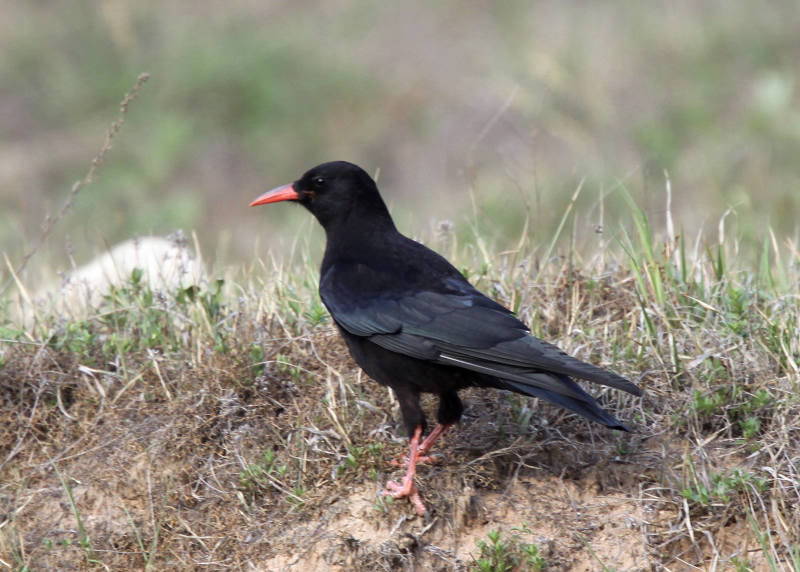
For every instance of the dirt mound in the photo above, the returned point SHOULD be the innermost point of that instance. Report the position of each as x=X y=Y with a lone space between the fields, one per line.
x=164 y=436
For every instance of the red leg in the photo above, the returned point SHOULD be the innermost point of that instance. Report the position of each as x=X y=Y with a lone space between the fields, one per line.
x=431 y=439
x=408 y=488
x=424 y=448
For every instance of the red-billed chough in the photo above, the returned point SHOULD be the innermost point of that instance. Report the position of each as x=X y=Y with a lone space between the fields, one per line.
x=414 y=323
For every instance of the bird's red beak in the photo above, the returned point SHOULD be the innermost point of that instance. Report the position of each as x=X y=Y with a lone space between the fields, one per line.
x=284 y=193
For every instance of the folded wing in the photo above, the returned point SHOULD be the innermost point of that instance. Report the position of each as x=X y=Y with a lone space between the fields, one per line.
x=455 y=325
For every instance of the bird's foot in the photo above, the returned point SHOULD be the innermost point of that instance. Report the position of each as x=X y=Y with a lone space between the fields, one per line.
x=424 y=447
x=405 y=490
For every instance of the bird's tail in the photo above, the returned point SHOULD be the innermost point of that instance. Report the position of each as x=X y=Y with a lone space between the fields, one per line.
x=583 y=404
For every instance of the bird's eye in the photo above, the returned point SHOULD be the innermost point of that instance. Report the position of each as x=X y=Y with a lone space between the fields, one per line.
x=319 y=181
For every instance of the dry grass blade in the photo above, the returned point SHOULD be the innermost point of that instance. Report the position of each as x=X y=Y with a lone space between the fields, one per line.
x=50 y=221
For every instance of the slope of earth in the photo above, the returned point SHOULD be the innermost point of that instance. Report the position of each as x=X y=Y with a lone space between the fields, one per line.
x=188 y=433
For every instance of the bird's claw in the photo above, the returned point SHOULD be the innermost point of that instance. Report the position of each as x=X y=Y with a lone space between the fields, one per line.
x=405 y=490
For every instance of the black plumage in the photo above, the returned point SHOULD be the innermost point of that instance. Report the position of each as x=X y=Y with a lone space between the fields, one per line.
x=415 y=324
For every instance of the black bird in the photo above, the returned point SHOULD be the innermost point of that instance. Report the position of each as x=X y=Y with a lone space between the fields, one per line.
x=414 y=323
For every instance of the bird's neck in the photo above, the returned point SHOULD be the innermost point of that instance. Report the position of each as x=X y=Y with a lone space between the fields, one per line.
x=357 y=234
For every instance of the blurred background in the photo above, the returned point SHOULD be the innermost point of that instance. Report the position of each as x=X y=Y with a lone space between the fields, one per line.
x=478 y=113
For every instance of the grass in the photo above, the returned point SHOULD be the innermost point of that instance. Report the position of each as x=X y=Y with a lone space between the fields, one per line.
x=84 y=540
x=211 y=412
x=223 y=425
x=500 y=554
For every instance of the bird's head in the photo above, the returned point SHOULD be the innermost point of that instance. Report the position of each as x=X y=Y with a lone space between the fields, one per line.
x=331 y=191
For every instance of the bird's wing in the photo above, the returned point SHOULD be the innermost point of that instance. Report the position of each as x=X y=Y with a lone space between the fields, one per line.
x=454 y=325
x=367 y=301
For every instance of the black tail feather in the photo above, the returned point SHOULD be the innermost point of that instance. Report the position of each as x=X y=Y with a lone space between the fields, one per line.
x=586 y=407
